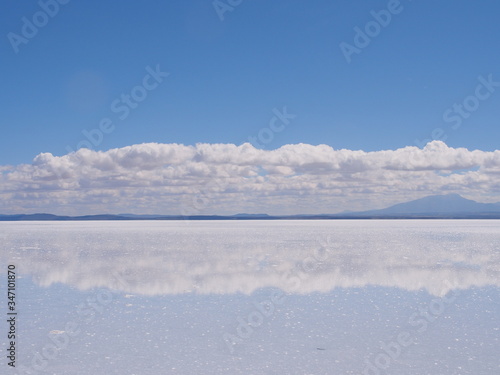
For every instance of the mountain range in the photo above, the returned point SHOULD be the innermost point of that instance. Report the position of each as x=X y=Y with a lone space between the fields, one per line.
x=437 y=205
x=449 y=206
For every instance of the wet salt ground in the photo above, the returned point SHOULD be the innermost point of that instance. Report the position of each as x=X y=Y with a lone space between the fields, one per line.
x=123 y=325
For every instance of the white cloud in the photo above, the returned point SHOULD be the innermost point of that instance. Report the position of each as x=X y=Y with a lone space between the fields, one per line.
x=225 y=178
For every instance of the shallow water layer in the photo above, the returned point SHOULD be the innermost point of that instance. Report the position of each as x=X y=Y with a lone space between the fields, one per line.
x=255 y=297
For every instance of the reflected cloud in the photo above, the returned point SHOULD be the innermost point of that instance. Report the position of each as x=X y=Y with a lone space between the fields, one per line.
x=300 y=257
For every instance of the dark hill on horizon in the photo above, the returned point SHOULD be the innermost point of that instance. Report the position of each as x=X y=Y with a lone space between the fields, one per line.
x=448 y=206
x=434 y=205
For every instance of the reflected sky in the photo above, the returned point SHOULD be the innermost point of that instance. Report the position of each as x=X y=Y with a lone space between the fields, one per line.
x=256 y=297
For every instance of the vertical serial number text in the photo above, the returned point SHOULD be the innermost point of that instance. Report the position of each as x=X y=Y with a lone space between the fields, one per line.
x=11 y=314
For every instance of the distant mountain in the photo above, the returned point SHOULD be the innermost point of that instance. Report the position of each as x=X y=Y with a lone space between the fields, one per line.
x=34 y=217
x=140 y=217
x=436 y=205
x=45 y=217
x=449 y=206
x=251 y=215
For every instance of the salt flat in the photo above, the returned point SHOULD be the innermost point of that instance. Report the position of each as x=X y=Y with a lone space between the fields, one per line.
x=257 y=297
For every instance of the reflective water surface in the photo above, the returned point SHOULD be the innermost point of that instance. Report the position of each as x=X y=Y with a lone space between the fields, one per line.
x=255 y=297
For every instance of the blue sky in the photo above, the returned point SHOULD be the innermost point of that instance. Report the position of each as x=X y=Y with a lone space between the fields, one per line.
x=228 y=77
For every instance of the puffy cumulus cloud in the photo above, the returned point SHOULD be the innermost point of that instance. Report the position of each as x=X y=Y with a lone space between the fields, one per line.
x=226 y=178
